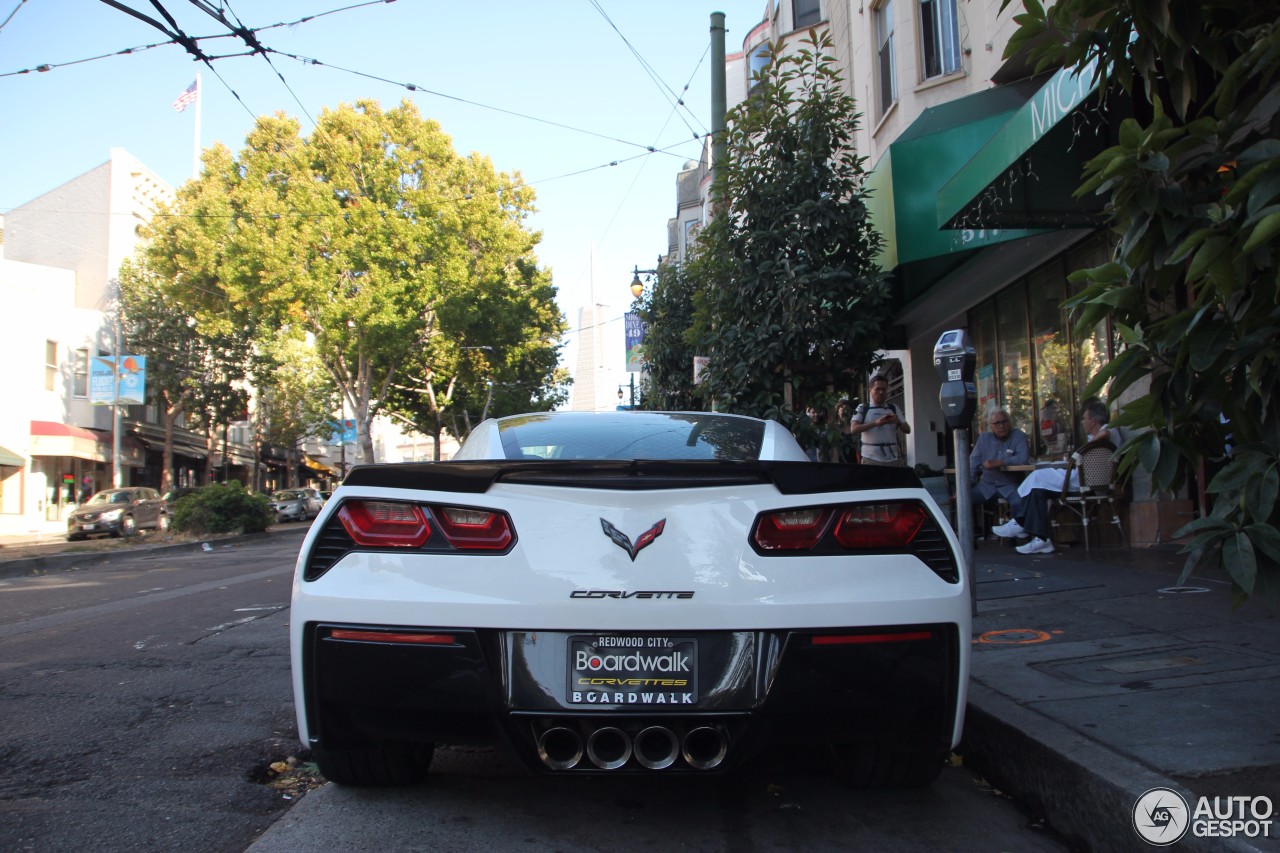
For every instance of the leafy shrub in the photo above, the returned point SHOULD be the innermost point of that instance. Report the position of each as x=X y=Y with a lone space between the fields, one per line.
x=222 y=508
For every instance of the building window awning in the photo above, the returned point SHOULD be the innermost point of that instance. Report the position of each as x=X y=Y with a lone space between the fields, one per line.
x=904 y=185
x=49 y=438
x=1025 y=175
x=8 y=457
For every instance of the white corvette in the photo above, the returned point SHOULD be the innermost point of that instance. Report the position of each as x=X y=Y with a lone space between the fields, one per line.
x=642 y=592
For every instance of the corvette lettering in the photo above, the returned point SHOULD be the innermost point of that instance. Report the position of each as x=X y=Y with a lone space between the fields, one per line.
x=638 y=593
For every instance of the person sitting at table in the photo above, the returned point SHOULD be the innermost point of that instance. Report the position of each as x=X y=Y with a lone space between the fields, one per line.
x=1043 y=484
x=995 y=450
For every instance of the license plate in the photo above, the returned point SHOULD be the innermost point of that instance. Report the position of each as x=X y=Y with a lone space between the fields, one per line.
x=630 y=669
x=88 y=526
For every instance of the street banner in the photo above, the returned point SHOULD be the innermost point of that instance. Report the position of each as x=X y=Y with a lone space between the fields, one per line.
x=344 y=432
x=132 y=375
x=635 y=330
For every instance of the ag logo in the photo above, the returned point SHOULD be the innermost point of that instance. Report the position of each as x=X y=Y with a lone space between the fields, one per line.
x=620 y=539
x=1161 y=817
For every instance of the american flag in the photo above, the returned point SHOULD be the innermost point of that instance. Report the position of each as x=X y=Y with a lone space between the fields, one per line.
x=188 y=96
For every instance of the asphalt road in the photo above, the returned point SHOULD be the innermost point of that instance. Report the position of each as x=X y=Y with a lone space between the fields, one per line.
x=142 y=700
x=139 y=701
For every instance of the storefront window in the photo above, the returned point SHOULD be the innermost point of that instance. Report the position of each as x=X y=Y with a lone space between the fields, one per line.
x=1054 y=378
x=982 y=337
x=1093 y=350
x=1014 y=362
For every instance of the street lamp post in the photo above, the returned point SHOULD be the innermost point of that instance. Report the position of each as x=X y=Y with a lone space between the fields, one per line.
x=637 y=286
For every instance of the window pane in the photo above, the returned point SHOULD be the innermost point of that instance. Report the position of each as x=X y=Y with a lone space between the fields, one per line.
x=982 y=337
x=806 y=13
x=887 y=89
x=80 y=388
x=939 y=37
x=50 y=365
x=1054 y=380
x=1015 y=356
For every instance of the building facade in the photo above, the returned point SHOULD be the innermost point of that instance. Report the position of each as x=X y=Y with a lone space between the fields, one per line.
x=973 y=163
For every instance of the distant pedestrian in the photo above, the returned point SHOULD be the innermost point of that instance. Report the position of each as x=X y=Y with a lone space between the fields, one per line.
x=86 y=488
x=879 y=426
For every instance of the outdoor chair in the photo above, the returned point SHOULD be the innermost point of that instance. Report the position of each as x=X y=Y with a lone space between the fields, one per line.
x=1095 y=468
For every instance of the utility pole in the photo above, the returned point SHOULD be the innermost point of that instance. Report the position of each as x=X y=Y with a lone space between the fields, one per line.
x=719 y=97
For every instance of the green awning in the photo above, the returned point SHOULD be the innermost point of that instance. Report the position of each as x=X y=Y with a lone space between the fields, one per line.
x=905 y=182
x=8 y=457
x=1025 y=174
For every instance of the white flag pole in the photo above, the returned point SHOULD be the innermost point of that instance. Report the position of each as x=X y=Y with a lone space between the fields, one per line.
x=195 y=157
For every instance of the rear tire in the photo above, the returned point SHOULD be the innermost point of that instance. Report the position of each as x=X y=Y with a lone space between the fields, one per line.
x=395 y=763
x=163 y=523
x=877 y=764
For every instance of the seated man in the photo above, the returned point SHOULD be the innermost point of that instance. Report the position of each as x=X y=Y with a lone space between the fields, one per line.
x=1044 y=484
x=994 y=451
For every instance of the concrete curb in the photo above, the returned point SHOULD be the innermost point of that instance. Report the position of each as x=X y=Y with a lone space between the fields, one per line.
x=1084 y=790
x=86 y=560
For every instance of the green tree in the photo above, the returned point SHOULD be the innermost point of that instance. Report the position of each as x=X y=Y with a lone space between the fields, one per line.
x=1193 y=192
x=788 y=295
x=359 y=235
x=667 y=311
x=295 y=397
x=186 y=367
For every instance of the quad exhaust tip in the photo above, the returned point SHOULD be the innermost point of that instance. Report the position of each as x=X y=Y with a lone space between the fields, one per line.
x=656 y=747
x=609 y=748
x=562 y=747
x=704 y=748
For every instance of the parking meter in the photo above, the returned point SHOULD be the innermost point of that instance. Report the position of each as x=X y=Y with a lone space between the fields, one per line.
x=954 y=360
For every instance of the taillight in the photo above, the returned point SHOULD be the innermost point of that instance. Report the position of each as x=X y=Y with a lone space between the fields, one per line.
x=880 y=525
x=385 y=524
x=792 y=530
x=473 y=529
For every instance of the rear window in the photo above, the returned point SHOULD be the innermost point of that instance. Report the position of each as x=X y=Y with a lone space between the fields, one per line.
x=633 y=436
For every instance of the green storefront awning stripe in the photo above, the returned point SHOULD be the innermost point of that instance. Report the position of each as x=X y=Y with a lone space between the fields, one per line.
x=1055 y=100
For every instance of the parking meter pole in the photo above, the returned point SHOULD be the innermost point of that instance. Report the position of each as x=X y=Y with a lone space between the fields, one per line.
x=964 y=513
x=954 y=360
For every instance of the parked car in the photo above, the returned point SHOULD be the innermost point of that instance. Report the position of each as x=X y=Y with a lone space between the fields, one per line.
x=296 y=504
x=172 y=496
x=630 y=592
x=118 y=512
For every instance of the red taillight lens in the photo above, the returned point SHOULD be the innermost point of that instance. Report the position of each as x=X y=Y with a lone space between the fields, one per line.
x=404 y=637
x=474 y=529
x=385 y=524
x=881 y=525
x=793 y=529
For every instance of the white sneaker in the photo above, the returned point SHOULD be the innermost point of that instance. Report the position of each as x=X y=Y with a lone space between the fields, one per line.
x=1011 y=529
x=1036 y=546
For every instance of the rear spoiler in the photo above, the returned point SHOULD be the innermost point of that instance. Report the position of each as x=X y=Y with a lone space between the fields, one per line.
x=476 y=477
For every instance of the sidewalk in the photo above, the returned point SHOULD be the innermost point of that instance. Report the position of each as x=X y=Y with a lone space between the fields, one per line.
x=1095 y=680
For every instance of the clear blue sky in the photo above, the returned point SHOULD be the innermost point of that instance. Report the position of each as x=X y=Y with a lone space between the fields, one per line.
x=560 y=61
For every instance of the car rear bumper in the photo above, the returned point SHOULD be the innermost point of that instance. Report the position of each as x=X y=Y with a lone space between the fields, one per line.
x=901 y=684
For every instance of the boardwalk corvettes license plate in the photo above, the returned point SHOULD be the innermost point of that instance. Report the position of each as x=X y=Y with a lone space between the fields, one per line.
x=624 y=669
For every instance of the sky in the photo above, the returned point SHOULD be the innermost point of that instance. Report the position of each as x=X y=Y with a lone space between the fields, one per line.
x=561 y=91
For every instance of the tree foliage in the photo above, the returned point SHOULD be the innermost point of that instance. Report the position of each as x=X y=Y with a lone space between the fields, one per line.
x=1193 y=191
x=788 y=295
x=190 y=371
x=370 y=237
x=667 y=312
